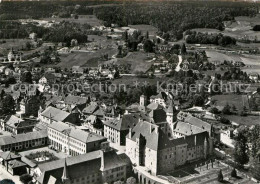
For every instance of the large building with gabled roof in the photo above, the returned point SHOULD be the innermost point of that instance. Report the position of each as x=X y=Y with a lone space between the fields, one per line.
x=149 y=146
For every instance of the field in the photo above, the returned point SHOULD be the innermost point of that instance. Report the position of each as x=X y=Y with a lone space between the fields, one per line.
x=138 y=61
x=237 y=100
x=144 y=28
x=12 y=43
x=240 y=28
x=251 y=61
x=83 y=19
x=244 y=120
x=84 y=58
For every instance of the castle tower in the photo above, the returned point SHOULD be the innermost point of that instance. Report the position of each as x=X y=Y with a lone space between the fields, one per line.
x=65 y=176
x=143 y=100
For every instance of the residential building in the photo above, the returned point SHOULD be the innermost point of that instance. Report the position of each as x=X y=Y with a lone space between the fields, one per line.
x=147 y=145
x=52 y=114
x=117 y=129
x=91 y=168
x=17 y=125
x=72 y=140
x=24 y=141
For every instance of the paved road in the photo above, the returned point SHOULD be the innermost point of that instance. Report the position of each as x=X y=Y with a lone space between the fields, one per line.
x=6 y=175
x=178 y=67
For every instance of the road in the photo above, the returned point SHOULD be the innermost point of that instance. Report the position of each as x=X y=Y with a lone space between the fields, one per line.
x=6 y=175
x=178 y=67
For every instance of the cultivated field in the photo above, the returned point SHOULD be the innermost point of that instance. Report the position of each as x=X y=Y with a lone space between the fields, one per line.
x=144 y=28
x=244 y=120
x=237 y=100
x=137 y=60
x=83 y=19
x=82 y=58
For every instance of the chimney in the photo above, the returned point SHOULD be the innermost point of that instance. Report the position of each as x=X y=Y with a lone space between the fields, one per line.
x=130 y=133
x=156 y=129
x=102 y=160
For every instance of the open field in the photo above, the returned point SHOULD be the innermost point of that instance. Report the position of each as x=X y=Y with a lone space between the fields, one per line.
x=138 y=61
x=244 y=120
x=237 y=100
x=12 y=43
x=82 y=58
x=240 y=28
x=83 y=19
x=144 y=28
x=252 y=62
x=131 y=81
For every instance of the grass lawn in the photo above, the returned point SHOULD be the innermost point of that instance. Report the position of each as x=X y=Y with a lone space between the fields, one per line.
x=82 y=58
x=244 y=120
x=138 y=61
x=144 y=28
x=83 y=19
x=12 y=43
x=237 y=100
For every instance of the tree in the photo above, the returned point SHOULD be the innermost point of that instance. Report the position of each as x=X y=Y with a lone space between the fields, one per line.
x=183 y=49
x=25 y=178
x=8 y=105
x=28 y=45
x=198 y=100
x=147 y=35
x=131 y=180
x=125 y=36
x=226 y=109
x=26 y=77
x=241 y=149
x=148 y=46
x=220 y=176
x=7 y=181
x=234 y=173
x=214 y=110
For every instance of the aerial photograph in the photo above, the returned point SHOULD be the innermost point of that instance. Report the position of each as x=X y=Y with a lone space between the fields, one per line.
x=129 y=91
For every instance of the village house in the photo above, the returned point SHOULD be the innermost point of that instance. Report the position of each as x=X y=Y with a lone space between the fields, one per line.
x=117 y=129
x=17 y=125
x=52 y=114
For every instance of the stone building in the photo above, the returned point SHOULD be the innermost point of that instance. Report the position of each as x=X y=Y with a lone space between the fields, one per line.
x=73 y=141
x=147 y=145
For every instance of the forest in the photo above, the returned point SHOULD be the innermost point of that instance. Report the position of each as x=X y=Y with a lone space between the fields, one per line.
x=172 y=18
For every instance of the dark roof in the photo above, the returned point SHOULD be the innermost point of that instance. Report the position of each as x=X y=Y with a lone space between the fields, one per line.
x=75 y=100
x=123 y=123
x=156 y=139
x=158 y=115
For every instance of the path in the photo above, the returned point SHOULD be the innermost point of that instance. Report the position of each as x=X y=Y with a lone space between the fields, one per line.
x=178 y=67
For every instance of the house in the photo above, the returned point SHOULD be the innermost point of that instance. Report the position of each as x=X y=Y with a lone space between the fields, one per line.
x=161 y=99
x=77 y=69
x=254 y=77
x=33 y=36
x=30 y=105
x=17 y=125
x=52 y=114
x=117 y=129
x=95 y=167
x=12 y=163
x=94 y=124
x=48 y=78
x=72 y=140
x=24 y=141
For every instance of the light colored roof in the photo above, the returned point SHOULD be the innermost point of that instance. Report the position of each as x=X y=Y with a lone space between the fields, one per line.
x=76 y=133
x=55 y=114
x=9 y=155
x=22 y=137
x=124 y=123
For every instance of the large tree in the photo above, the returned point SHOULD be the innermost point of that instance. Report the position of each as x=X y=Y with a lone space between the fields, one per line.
x=241 y=150
x=148 y=46
x=8 y=105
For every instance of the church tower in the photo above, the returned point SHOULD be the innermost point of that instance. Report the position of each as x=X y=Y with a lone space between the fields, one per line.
x=65 y=176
